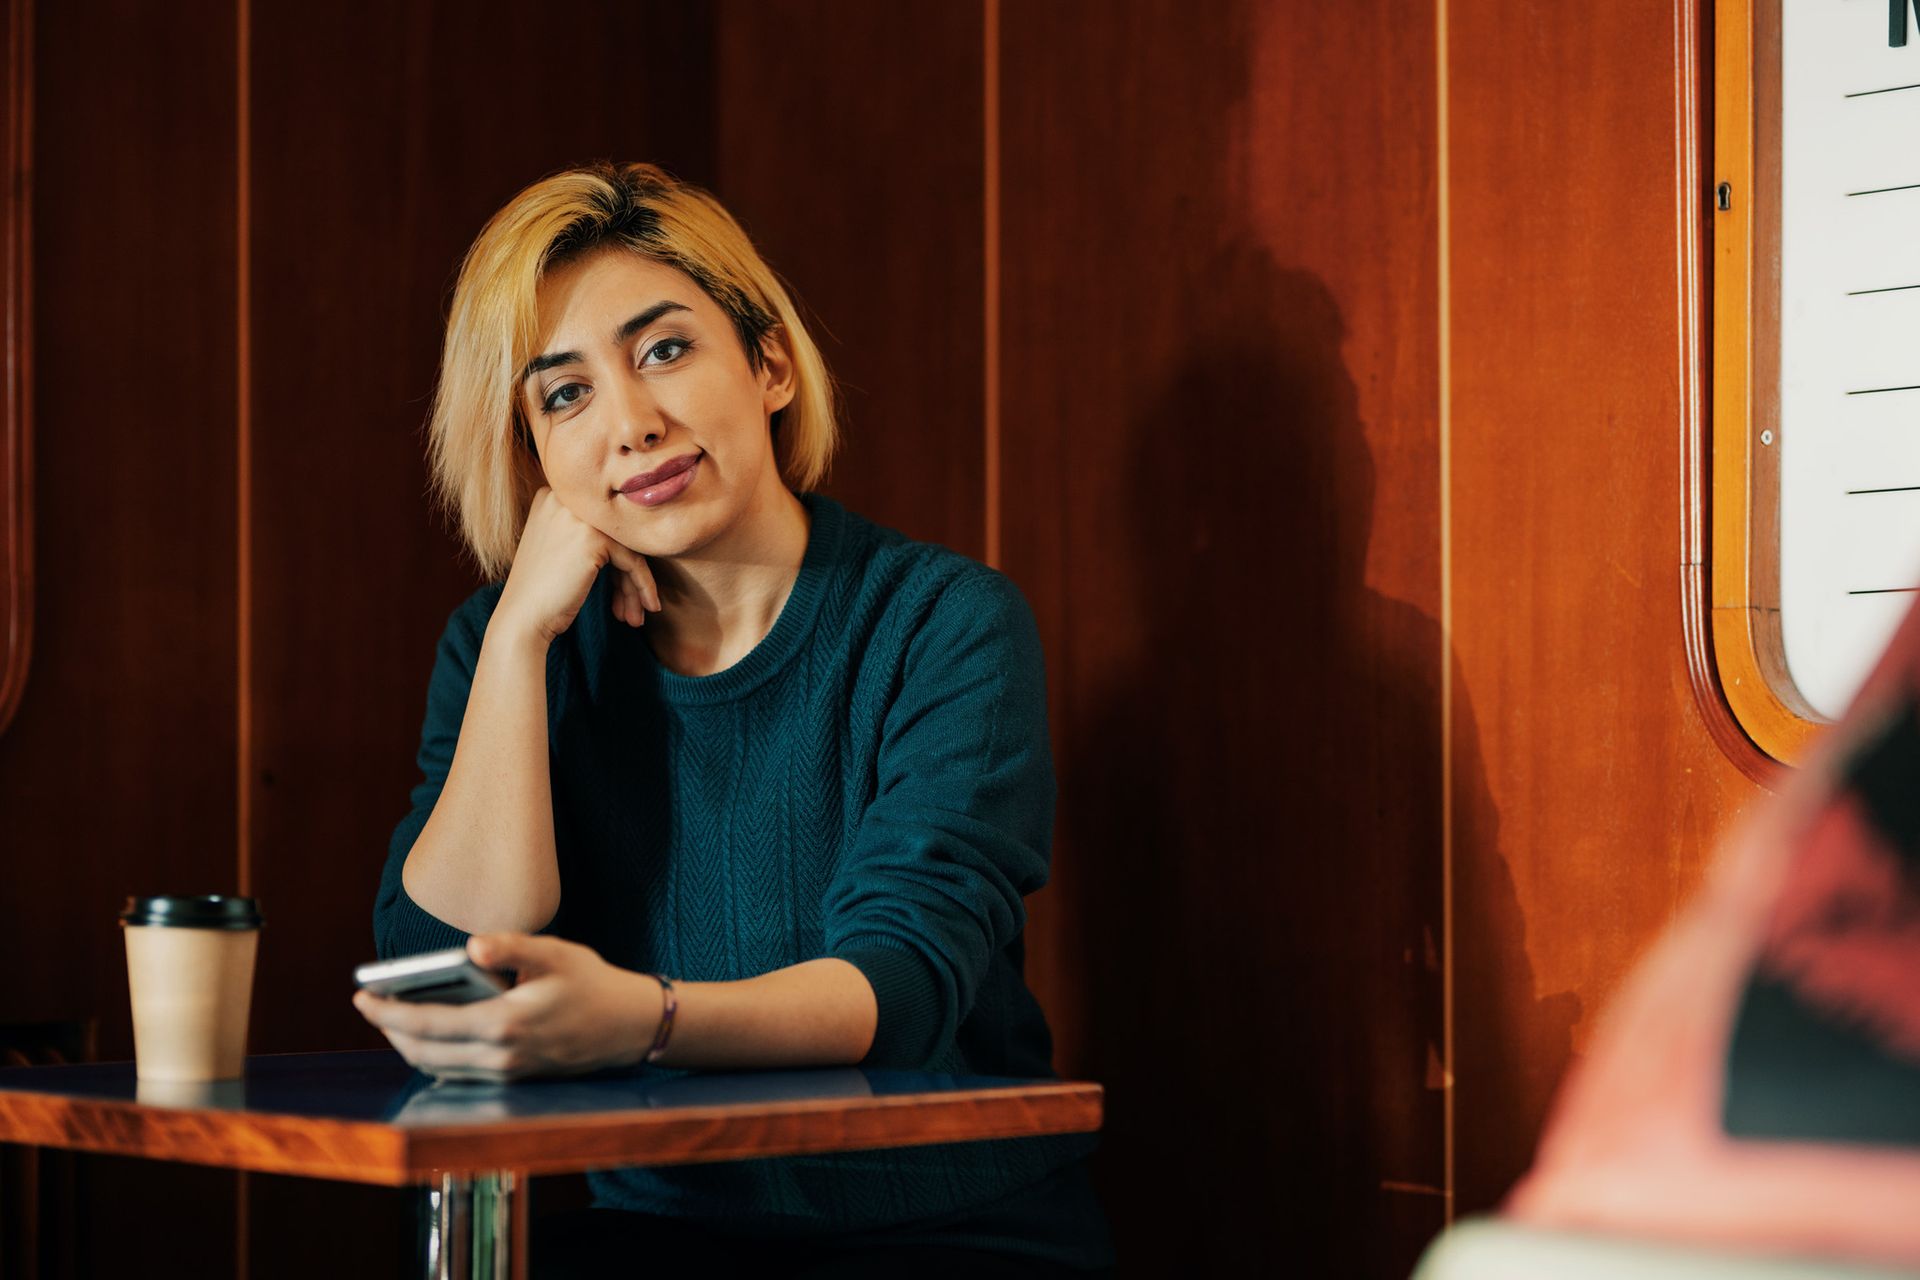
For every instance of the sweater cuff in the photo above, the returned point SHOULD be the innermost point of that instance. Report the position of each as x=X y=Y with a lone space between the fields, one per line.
x=910 y=1017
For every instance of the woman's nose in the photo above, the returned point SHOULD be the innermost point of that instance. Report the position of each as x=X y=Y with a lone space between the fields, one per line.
x=641 y=424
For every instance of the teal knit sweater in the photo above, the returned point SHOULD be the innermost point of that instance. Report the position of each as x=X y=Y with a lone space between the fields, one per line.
x=872 y=782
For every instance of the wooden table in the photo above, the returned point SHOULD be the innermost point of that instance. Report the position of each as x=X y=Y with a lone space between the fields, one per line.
x=368 y=1117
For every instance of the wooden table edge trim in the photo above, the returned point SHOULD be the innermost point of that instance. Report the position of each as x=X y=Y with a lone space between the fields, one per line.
x=388 y=1154
x=699 y=1135
x=254 y=1142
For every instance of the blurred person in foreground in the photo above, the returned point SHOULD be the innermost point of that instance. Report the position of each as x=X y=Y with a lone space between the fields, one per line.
x=1756 y=1087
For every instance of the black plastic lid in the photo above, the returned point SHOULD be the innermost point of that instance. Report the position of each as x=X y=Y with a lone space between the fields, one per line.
x=208 y=911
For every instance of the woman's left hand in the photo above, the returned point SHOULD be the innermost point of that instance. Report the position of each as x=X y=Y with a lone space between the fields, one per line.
x=569 y=1012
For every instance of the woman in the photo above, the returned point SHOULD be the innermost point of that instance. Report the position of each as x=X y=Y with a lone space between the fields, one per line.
x=727 y=775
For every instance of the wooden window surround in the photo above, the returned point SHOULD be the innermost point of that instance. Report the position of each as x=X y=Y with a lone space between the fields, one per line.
x=1747 y=655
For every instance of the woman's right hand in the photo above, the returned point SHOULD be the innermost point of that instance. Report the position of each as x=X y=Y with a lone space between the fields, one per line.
x=555 y=565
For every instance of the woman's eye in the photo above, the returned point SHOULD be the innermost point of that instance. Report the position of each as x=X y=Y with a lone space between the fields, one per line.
x=561 y=396
x=662 y=345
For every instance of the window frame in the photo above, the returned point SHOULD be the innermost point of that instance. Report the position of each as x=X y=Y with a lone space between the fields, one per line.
x=1749 y=657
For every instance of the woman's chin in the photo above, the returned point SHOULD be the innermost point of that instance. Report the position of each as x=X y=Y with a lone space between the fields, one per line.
x=664 y=534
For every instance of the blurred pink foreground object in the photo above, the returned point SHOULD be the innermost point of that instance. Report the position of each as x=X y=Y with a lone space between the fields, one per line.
x=1756 y=1085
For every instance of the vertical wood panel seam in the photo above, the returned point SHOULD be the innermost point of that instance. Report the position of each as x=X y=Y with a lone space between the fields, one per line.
x=990 y=163
x=243 y=394
x=1692 y=506
x=243 y=466
x=1445 y=291
x=16 y=658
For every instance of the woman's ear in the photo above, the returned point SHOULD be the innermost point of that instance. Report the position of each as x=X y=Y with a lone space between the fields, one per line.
x=776 y=371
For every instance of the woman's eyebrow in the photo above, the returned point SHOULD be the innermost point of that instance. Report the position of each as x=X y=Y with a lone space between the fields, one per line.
x=634 y=324
x=552 y=360
x=647 y=317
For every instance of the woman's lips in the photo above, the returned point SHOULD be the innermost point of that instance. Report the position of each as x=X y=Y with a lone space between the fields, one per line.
x=665 y=490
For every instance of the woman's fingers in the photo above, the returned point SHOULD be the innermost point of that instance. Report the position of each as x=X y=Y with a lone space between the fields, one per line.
x=637 y=572
x=485 y=1021
x=480 y=1041
x=642 y=576
x=626 y=603
x=633 y=593
x=554 y=568
x=455 y=1057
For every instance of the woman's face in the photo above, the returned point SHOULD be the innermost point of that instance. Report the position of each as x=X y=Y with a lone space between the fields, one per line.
x=649 y=423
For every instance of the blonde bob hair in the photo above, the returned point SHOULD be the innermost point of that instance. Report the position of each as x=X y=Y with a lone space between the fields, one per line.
x=485 y=471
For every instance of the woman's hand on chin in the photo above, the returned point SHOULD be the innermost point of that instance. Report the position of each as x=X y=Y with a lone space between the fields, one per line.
x=554 y=567
x=569 y=1012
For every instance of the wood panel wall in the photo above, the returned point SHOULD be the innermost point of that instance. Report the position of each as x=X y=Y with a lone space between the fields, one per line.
x=1222 y=496
x=847 y=141
x=117 y=772
x=1570 y=379
x=1334 y=388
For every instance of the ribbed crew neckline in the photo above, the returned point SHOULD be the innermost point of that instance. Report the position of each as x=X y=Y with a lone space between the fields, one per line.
x=826 y=528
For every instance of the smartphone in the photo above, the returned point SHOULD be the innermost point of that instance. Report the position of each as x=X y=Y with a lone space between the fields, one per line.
x=433 y=977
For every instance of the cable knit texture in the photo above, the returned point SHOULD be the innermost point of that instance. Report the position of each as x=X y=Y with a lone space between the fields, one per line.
x=873 y=782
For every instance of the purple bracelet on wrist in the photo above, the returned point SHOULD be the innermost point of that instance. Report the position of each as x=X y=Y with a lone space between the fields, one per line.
x=665 y=1032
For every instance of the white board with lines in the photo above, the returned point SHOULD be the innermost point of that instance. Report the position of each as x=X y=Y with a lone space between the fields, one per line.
x=1849 y=338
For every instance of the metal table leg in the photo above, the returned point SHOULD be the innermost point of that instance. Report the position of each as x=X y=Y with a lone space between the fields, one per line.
x=468 y=1228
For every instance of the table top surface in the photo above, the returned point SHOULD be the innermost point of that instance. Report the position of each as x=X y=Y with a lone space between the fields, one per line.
x=368 y=1117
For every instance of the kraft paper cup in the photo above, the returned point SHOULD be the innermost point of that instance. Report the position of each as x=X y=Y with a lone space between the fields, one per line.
x=190 y=976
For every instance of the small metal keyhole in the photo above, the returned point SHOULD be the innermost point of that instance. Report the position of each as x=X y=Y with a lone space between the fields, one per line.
x=1723 y=196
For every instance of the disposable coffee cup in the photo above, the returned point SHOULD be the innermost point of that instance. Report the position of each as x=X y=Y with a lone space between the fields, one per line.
x=190 y=975
x=219 y=1095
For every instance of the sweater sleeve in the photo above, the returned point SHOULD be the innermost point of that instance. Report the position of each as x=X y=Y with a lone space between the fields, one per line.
x=401 y=926
x=959 y=829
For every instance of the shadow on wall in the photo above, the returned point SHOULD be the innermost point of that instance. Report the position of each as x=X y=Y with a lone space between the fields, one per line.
x=1255 y=800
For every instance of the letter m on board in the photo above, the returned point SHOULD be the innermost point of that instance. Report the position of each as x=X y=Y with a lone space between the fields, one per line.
x=1897 y=21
